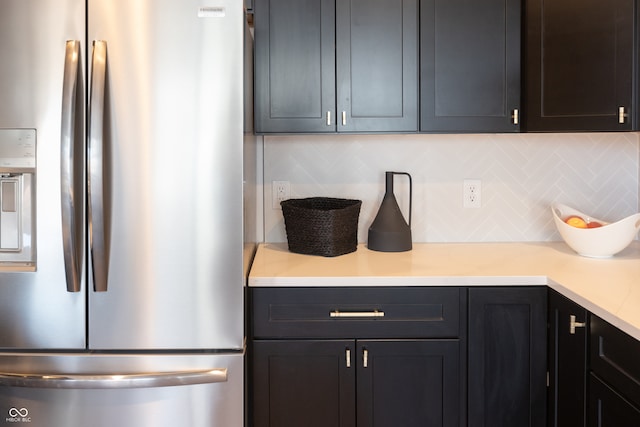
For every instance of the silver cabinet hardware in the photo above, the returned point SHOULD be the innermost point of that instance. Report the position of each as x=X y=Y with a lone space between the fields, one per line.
x=516 y=116
x=573 y=324
x=621 y=115
x=548 y=380
x=374 y=313
x=365 y=358
x=328 y=118
x=344 y=118
x=347 y=355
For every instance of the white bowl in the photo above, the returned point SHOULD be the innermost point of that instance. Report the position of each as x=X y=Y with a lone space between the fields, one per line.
x=600 y=242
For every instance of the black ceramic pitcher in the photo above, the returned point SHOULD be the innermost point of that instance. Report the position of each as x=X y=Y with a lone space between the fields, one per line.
x=389 y=231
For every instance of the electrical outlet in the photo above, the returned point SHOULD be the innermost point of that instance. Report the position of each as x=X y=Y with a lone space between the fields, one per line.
x=279 y=191
x=472 y=193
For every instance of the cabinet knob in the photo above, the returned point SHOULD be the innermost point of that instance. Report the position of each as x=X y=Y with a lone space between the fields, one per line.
x=573 y=324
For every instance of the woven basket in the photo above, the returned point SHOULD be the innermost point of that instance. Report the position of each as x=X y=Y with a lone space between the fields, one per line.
x=321 y=225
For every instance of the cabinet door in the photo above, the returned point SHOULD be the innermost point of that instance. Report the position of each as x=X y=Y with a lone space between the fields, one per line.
x=408 y=383
x=303 y=383
x=614 y=358
x=294 y=65
x=567 y=362
x=608 y=409
x=377 y=65
x=507 y=356
x=469 y=65
x=579 y=64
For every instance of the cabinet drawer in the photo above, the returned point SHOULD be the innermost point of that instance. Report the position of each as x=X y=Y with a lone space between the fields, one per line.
x=614 y=358
x=350 y=312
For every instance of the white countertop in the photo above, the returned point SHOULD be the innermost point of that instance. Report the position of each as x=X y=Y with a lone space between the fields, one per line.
x=609 y=288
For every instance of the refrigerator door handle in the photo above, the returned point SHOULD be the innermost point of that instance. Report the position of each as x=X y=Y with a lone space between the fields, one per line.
x=71 y=196
x=95 y=168
x=113 y=381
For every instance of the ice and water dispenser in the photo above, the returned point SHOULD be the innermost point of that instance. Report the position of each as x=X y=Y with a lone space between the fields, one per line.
x=17 y=198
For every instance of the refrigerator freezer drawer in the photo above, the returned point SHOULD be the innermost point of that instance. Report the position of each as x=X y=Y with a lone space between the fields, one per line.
x=122 y=390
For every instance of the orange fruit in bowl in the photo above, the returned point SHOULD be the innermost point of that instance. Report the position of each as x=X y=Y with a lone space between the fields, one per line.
x=594 y=224
x=576 y=221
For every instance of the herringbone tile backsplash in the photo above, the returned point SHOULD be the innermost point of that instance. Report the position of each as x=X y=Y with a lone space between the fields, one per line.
x=521 y=176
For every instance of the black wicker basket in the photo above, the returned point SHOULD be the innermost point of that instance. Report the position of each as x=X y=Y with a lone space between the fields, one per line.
x=321 y=225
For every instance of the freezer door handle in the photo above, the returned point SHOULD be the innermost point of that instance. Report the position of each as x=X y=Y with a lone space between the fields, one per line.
x=71 y=164
x=113 y=381
x=97 y=230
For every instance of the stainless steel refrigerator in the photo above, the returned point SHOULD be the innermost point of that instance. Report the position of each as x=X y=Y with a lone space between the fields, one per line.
x=126 y=197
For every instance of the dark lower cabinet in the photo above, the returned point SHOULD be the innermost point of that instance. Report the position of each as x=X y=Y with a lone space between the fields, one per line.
x=567 y=343
x=614 y=381
x=594 y=375
x=398 y=357
x=344 y=383
x=356 y=357
x=408 y=383
x=507 y=356
x=303 y=383
x=607 y=408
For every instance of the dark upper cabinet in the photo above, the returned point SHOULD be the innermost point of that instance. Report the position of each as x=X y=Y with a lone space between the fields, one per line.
x=580 y=65
x=567 y=344
x=507 y=356
x=336 y=65
x=470 y=65
x=377 y=65
x=294 y=65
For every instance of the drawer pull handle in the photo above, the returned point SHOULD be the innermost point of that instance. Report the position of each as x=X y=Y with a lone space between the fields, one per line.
x=573 y=324
x=347 y=354
x=374 y=313
x=365 y=358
